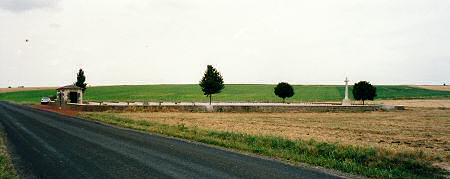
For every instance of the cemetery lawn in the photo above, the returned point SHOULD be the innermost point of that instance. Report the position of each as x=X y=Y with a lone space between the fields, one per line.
x=231 y=93
x=402 y=144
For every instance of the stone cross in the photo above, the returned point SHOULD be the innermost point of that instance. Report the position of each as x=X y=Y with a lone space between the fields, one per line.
x=346 y=101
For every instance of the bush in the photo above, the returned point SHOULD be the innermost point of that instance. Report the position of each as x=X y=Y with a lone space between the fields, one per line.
x=53 y=97
x=284 y=90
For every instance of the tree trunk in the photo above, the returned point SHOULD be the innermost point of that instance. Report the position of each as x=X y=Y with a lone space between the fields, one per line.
x=284 y=100
x=363 y=102
x=210 y=96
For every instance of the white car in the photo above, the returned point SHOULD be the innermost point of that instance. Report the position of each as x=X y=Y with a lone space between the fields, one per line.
x=45 y=100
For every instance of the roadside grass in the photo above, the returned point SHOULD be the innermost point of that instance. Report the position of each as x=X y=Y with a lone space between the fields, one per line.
x=366 y=161
x=6 y=167
x=231 y=93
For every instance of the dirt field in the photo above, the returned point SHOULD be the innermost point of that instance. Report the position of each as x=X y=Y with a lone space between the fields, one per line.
x=427 y=103
x=56 y=109
x=435 y=87
x=4 y=90
x=417 y=128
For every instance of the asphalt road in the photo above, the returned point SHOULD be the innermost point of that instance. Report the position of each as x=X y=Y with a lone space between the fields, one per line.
x=48 y=145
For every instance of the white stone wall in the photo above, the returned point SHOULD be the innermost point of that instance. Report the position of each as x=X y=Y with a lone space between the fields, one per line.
x=66 y=93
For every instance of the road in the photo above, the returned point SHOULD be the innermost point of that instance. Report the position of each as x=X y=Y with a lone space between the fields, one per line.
x=48 y=145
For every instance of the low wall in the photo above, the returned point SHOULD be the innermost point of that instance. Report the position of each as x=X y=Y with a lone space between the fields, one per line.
x=227 y=108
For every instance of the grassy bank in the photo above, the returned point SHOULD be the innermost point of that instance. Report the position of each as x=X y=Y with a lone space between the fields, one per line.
x=231 y=93
x=6 y=167
x=371 y=162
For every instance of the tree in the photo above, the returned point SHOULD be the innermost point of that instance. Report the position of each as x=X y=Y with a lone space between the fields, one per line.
x=363 y=90
x=284 y=90
x=81 y=80
x=212 y=82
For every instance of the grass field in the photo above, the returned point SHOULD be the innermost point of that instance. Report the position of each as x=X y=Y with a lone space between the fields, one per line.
x=231 y=93
x=407 y=144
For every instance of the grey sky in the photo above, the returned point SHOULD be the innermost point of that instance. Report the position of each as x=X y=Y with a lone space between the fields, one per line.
x=249 y=41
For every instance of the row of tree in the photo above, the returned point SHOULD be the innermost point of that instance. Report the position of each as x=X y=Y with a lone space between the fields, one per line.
x=212 y=83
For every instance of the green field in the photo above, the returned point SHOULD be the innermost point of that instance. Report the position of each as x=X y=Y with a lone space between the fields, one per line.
x=231 y=93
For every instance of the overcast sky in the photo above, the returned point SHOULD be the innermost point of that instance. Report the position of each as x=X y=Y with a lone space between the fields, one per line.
x=248 y=41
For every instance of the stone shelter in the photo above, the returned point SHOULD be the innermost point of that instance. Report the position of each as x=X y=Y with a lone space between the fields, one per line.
x=70 y=94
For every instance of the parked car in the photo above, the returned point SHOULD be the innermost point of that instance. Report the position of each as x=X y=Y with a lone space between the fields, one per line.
x=45 y=100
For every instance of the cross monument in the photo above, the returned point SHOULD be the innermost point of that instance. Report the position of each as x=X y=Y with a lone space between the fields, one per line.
x=346 y=101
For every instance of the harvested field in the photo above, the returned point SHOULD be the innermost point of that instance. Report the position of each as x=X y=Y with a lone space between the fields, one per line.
x=426 y=129
x=435 y=87
x=7 y=90
x=427 y=103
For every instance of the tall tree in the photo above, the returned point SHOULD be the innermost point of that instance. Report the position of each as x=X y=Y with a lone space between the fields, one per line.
x=284 y=90
x=363 y=90
x=81 y=80
x=212 y=82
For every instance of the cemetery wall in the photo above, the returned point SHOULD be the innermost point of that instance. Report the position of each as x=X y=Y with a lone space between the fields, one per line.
x=227 y=108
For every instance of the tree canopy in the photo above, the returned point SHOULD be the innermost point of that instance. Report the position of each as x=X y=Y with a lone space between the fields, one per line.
x=81 y=80
x=284 y=90
x=212 y=82
x=363 y=90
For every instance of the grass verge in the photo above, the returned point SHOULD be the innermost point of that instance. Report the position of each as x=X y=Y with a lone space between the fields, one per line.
x=370 y=162
x=6 y=167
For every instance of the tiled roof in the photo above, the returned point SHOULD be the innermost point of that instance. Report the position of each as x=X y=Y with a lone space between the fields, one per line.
x=69 y=87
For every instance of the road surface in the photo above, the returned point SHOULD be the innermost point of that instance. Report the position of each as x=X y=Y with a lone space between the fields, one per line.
x=49 y=145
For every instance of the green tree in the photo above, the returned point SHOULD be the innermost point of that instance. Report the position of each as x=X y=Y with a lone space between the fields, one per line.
x=363 y=90
x=284 y=90
x=212 y=82
x=81 y=80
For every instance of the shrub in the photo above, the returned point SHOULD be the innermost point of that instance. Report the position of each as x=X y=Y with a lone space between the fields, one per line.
x=284 y=90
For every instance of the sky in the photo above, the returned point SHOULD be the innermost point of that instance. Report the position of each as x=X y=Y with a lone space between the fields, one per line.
x=248 y=41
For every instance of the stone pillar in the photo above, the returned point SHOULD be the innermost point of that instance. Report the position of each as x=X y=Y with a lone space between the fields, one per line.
x=209 y=108
x=346 y=101
x=66 y=97
x=81 y=96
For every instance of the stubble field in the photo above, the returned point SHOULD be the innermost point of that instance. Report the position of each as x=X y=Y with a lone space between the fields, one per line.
x=435 y=87
x=15 y=89
x=417 y=128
